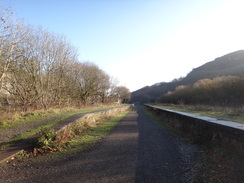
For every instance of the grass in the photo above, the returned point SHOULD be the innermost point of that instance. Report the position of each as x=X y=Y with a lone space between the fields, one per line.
x=9 y=120
x=81 y=142
x=47 y=125
x=227 y=114
x=18 y=118
x=94 y=134
x=34 y=131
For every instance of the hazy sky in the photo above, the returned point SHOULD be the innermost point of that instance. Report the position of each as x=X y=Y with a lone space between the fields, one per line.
x=142 y=42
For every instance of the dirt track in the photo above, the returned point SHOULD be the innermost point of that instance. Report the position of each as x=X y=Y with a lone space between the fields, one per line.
x=135 y=151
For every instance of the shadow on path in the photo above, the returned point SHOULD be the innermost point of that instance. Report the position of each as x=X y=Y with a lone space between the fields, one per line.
x=161 y=156
x=113 y=159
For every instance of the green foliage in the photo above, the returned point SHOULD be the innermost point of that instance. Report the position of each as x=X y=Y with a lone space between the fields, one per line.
x=46 y=139
x=49 y=141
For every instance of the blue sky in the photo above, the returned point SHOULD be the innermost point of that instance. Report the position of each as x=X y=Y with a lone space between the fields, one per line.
x=141 y=42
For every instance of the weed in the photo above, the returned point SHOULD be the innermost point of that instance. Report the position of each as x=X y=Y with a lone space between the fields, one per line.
x=46 y=141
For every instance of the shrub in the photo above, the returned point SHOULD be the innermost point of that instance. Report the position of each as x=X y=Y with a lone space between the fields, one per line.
x=46 y=141
x=220 y=91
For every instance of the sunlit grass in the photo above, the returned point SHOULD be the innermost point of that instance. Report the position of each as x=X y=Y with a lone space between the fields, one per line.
x=18 y=118
x=9 y=120
x=50 y=124
x=34 y=131
x=94 y=134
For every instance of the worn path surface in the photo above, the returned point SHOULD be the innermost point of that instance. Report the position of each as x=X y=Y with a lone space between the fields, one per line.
x=135 y=151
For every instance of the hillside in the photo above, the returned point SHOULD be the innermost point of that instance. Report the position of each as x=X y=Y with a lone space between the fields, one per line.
x=230 y=64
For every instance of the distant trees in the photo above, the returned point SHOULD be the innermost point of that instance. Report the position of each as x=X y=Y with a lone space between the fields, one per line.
x=93 y=83
x=221 y=91
x=122 y=94
x=41 y=69
x=141 y=97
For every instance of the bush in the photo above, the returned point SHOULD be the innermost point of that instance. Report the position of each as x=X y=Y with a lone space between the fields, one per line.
x=220 y=91
x=46 y=141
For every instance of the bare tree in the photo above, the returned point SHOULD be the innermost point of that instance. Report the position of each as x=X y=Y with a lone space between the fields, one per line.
x=103 y=86
x=122 y=94
x=41 y=69
x=39 y=74
x=58 y=63
x=25 y=72
x=12 y=31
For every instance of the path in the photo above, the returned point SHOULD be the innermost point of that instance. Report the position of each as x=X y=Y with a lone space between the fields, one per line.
x=162 y=157
x=135 y=151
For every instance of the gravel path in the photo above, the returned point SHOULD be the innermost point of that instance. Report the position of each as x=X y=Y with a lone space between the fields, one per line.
x=135 y=151
x=162 y=157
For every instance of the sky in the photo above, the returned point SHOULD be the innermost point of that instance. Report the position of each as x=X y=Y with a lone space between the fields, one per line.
x=141 y=42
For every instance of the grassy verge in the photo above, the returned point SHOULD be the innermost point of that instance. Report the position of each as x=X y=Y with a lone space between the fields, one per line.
x=228 y=114
x=18 y=118
x=86 y=138
x=47 y=125
x=92 y=135
x=34 y=131
x=11 y=120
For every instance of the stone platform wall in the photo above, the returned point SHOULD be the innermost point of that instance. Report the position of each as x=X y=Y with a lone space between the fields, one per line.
x=225 y=133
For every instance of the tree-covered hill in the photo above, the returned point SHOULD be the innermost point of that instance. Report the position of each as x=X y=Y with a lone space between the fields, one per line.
x=230 y=64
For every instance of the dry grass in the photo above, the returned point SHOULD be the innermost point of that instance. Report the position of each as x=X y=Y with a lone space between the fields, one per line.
x=235 y=114
x=13 y=118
